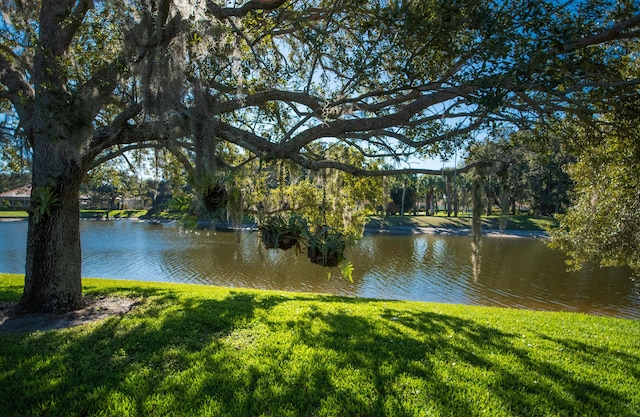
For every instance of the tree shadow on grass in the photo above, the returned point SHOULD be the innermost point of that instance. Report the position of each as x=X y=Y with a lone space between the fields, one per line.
x=456 y=361
x=405 y=371
x=266 y=354
x=546 y=380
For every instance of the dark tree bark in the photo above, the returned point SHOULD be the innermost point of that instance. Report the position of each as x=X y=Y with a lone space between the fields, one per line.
x=53 y=263
x=58 y=125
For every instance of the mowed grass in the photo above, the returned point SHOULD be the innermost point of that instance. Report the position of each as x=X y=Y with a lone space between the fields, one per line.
x=84 y=214
x=191 y=350
x=12 y=214
x=111 y=214
x=519 y=222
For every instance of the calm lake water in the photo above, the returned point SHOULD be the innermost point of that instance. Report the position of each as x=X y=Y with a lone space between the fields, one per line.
x=516 y=272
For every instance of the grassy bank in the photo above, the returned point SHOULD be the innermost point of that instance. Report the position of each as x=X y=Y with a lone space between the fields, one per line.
x=111 y=214
x=196 y=350
x=84 y=214
x=13 y=214
x=520 y=222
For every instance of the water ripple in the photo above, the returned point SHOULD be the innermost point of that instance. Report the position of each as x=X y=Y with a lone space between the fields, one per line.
x=518 y=273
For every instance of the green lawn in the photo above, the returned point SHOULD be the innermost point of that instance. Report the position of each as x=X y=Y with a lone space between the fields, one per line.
x=520 y=222
x=191 y=350
x=84 y=214
x=12 y=214
x=111 y=214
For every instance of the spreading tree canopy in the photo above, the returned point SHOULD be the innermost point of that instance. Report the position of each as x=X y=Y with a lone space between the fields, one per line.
x=84 y=82
x=602 y=227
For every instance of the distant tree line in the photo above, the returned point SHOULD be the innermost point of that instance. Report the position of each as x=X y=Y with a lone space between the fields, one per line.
x=12 y=180
x=520 y=180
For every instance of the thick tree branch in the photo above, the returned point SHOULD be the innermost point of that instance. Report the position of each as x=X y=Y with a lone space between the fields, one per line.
x=401 y=117
x=222 y=13
x=122 y=133
x=618 y=31
x=75 y=20
x=97 y=91
x=20 y=60
x=264 y=97
x=55 y=36
x=172 y=147
x=316 y=165
x=18 y=91
x=108 y=136
x=122 y=151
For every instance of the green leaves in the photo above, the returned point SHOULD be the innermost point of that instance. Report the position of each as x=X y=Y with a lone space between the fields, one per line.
x=179 y=203
x=43 y=200
x=347 y=270
x=603 y=225
x=283 y=232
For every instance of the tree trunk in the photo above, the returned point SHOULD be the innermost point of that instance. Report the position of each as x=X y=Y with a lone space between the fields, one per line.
x=504 y=198
x=476 y=225
x=53 y=276
x=448 y=199
x=456 y=206
x=426 y=204
x=404 y=194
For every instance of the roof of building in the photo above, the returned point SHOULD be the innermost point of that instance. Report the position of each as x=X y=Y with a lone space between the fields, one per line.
x=20 y=192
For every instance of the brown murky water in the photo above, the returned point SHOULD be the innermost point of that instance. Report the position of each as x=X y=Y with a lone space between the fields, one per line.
x=515 y=272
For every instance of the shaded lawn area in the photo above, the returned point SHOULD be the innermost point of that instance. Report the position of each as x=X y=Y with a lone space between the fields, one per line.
x=191 y=350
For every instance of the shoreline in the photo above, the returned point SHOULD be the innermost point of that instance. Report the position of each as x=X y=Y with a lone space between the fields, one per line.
x=453 y=231
x=372 y=230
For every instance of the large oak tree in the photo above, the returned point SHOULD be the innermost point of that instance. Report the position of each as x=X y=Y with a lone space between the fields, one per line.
x=89 y=81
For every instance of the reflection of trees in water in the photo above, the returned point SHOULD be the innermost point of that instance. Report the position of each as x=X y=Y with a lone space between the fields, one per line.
x=420 y=250
x=219 y=258
x=526 y=273
x=401 y=260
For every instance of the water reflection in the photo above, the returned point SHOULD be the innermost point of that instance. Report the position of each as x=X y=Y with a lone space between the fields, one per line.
x=516 y=272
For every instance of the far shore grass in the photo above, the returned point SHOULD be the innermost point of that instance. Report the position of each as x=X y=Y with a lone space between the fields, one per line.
x=191 y=350
x=84 y=214
x=13 y=214
x=463 y=221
